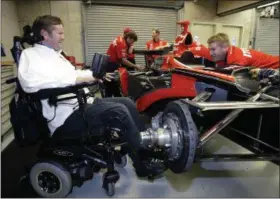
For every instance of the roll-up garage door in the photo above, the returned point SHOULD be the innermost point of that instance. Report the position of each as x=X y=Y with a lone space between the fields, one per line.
x=267 y=35
x=7 y=93
x=103 y=23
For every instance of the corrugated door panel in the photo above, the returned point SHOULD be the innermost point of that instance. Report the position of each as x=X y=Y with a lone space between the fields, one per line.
x=104 y=23
x=267 y=36
x=180 y=17
x=7 y=93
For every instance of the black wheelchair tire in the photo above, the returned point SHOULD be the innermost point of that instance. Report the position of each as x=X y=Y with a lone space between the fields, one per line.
x=189 y=137
x=63 y=175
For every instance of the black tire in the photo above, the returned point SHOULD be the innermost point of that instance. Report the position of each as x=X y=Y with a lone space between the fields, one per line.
x=62 y=176
x=189 y=136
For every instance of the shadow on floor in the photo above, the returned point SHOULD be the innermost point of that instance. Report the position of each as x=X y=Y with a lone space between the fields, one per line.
x=13 y=160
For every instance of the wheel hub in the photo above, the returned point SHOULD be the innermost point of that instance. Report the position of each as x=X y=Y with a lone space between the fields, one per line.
x=48 y=182
x=166 y=133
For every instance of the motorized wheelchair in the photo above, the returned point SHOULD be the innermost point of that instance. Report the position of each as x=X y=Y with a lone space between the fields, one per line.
x=64 y=163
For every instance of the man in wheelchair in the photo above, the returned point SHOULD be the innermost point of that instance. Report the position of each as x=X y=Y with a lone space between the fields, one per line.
x=42 y=67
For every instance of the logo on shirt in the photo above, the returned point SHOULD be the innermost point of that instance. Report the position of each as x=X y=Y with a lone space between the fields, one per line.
x=246 y=52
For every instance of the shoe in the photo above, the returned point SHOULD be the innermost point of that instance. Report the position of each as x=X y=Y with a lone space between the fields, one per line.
x=149 y=169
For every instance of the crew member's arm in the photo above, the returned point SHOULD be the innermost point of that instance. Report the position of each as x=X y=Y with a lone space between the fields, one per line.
x=129 y=64
x=201 y=51
x=166 y=44
x=122 y=55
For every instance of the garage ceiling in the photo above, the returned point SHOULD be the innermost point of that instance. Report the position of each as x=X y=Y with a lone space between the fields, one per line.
x=172 y=4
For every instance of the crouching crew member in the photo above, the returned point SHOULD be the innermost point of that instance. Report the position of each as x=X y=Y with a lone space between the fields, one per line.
x=118 y=55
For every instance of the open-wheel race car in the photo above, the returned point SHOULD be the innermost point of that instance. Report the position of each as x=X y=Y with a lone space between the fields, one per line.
x=192 y=103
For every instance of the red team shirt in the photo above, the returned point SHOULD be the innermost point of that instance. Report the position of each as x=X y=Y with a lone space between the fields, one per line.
x=117 y=50
x=250 y=57
x=152 y=45
x=241 y=57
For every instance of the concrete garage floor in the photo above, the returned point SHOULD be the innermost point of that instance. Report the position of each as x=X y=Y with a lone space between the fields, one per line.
x=208 y=179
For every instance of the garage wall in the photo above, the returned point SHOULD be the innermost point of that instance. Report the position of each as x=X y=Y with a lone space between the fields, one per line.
x=267 y=35
x=10 y=27
x=68 y=11
x=205 y=11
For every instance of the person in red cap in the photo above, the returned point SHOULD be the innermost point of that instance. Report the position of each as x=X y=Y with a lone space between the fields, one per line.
x=118 y=55
x=184 y=41
x=155 y=44
x=225 y=54
x=130 y=54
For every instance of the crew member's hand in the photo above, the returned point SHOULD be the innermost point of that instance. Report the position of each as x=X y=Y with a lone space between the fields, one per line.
x=158 y=48
x=263 y=73
x=255 y=73
x=139 y=67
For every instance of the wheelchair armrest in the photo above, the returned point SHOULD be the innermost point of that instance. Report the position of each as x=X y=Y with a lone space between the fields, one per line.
x=54 y=92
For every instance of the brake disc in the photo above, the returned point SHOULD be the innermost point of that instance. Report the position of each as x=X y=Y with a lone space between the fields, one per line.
x=171 y=123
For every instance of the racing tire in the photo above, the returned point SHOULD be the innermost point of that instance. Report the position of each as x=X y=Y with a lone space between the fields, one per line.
x=50 y=180
x=189 y=136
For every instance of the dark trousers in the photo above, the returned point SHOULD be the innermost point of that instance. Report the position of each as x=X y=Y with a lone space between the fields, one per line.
x=112 y=89
x=113 y=112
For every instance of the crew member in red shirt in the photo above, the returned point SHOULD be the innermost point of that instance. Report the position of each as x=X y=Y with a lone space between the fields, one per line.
x=184 y=41
x=225 y=54
x=118 y=55
x=155 y=44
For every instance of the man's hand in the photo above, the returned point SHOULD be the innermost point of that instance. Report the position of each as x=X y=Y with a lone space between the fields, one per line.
x=108 y=77
x=258 y=73
x=139 y=67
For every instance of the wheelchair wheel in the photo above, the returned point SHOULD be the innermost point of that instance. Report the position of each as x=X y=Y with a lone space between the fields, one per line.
x=50 y=180
x=178 y=119
x=121 y=162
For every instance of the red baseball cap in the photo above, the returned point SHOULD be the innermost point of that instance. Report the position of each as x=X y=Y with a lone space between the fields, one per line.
x=126 y=30
x=184 y=22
